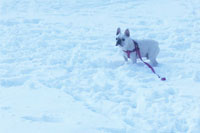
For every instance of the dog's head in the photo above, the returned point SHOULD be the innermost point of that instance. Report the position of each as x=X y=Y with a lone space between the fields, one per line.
x=122 y=39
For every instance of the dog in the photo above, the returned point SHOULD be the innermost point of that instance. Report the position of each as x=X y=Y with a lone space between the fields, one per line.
x=147 y=48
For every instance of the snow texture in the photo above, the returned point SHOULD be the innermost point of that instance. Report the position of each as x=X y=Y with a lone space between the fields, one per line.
x=60 y=71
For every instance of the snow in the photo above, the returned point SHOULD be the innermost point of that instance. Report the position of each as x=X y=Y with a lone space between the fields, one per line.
x=60 y=70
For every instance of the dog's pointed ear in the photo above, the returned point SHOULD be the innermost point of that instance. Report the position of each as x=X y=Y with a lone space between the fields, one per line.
x=118 y=31
x=127 y=32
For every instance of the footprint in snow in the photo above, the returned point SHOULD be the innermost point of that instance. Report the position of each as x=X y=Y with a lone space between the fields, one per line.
x=197 y=77
x=44 y=118
x=112 y=130
x=5 y=108
x=31 y=21
x=19 y=81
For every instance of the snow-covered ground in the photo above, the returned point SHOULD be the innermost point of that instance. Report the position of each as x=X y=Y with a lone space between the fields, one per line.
x=60 y=71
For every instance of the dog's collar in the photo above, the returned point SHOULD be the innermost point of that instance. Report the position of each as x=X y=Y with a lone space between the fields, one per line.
x=128 y=52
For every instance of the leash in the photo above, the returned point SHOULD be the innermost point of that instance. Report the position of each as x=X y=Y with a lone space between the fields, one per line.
x=139 y=55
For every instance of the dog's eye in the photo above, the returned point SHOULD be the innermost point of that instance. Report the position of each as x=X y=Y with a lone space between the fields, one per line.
x=123 y=39
x=116 y=38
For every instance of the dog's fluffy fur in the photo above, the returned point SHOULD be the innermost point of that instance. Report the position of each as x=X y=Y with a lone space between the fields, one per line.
x=148 y=48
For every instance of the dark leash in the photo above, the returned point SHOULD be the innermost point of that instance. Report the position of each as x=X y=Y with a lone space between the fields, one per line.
x=137 y=50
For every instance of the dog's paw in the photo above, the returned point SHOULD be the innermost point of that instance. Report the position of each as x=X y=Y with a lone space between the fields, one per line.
x=154 y=64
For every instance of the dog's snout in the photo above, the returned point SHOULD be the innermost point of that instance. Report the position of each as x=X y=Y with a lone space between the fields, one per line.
x=118 y=42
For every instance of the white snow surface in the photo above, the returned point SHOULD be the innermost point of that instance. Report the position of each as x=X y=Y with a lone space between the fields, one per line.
x=60 y=71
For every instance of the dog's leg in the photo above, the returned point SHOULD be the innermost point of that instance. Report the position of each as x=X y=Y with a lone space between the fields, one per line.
x=153 y=59
x=147 y=56
x=125 y=58
x=153 y=55
x=154 y=63
x=133 y=58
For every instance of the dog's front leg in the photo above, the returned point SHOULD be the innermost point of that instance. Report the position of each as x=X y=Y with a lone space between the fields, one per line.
x=133 y=58
x=125 y=58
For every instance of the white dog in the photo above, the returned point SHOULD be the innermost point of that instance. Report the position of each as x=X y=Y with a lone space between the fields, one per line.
x=147 y=48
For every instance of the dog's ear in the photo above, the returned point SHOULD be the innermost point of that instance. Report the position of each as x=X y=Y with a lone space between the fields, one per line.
x=127 y=32
x=118 y=31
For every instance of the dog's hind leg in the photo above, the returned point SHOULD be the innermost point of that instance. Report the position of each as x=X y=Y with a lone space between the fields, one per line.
x=152 y=58
x=154 y=62
x=147 y=56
